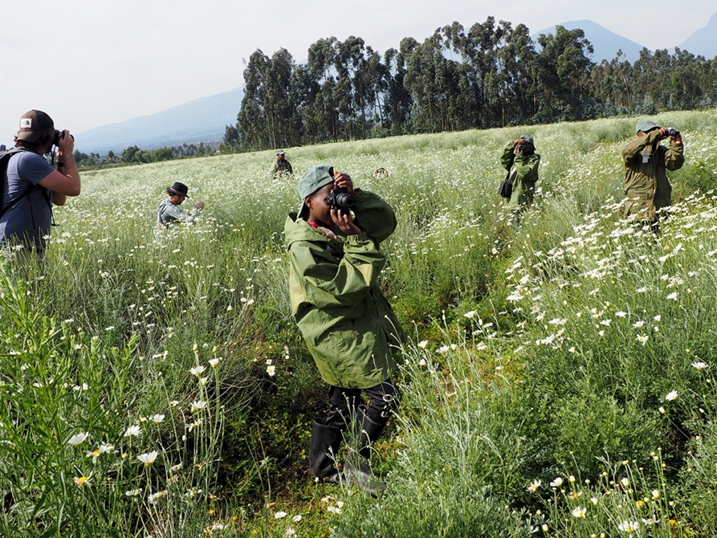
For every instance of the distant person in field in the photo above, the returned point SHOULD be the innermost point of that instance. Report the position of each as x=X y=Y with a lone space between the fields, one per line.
x=31 y=185
x=646 y=163
x=169 y=211
x=522 y=163
x=347 y=323
x=281 y=167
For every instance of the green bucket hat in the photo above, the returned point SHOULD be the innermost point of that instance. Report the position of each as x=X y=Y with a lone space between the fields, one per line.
x=315 y=177
x=645 y=126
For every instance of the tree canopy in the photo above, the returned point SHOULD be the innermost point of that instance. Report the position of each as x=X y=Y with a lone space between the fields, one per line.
x=488 y=75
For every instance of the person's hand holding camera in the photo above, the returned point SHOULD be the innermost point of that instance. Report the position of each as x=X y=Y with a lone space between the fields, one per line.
x=673 y=133
x=343 y=181
x=343 y=219
x=345 y=222
x=65 y=143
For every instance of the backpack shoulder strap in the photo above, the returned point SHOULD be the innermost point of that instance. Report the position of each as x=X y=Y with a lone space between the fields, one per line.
x=5 y=156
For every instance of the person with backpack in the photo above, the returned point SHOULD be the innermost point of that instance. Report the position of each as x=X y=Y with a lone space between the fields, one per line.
x=31 y=185
x=347 y=323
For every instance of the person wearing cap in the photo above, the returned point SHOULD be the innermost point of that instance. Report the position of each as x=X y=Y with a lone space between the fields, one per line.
x=169 y=211
x=522 y=163
x=281 y=167
x=646 y=163
x=31 y=185
x=347 y=323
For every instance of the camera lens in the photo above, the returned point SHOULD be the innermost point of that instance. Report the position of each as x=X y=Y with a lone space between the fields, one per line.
x=344 y=200
x=340 y=200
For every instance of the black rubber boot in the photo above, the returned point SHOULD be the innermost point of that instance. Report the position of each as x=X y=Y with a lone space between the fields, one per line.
x=357 y=469
x=368 y=432
x=325 y=442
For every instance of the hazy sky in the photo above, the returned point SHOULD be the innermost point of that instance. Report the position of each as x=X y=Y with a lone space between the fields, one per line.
x=92 y=62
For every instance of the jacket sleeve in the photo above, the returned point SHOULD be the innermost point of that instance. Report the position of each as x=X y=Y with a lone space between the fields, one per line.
x=506 y=160
x=637 y=146
x=526 y=166
x=374 y=216
x=326 y=284
x=675 y=156
x=172 y=212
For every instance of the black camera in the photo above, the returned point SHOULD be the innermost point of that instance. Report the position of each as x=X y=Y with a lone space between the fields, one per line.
x=340 y=199
x=59 y=135
x=670 y=131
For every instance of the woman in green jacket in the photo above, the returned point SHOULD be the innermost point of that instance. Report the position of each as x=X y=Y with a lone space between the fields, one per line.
x=522 y=163
x=347 y=323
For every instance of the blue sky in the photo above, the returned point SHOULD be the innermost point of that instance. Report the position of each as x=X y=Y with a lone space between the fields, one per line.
x=89 y=63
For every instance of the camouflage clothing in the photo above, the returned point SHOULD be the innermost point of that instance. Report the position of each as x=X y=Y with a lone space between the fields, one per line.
x=281 y=167
x=524 y=175
x=646 y=185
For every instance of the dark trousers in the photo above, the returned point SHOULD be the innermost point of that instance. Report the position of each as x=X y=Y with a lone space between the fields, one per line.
x=383 y=400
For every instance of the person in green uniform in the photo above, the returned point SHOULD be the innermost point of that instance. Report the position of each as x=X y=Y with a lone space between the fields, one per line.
x=347 y=323
x=522 y=163
x=646 y=163
x=281 y=167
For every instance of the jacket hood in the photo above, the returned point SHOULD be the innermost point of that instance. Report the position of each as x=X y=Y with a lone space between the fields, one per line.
x=300 y=230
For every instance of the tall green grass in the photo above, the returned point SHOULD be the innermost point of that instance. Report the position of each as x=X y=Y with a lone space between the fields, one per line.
x=537 y=355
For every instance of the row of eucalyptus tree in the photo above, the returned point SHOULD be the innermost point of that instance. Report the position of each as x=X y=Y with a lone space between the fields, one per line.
x=488 y=75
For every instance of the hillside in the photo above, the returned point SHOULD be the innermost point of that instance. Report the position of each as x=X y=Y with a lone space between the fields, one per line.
x=204 y=120
x=201 y=120
x=703 y=41
x=605 y=43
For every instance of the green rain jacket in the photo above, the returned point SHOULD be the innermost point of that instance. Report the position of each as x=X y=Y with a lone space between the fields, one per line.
x=346 y=321
x=646 y=184
x=524 y=175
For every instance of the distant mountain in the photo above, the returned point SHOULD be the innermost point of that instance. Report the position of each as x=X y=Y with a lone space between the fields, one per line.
x=605 y=43
x=205 y=119
x=201 y=120
x=703 y=42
